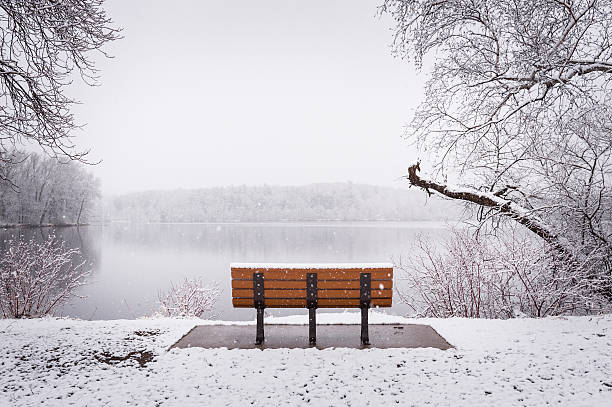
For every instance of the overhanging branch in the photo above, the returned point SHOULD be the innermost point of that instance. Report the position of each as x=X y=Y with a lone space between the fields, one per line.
x=490 y=200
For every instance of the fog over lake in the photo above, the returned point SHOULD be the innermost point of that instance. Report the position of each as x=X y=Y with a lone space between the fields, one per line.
x=132 y=262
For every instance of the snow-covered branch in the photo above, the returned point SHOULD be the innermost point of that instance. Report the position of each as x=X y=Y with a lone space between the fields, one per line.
x=191 y=298
x=521 y=112
x=44 y=46
x=494 y=277
x=491 y=200
x=38 y=278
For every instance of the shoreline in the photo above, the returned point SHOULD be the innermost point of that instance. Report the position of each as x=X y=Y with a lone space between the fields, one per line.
x=44 y=225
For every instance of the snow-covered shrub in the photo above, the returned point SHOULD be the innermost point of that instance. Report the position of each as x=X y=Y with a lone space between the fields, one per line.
x=37 y=278
x=192 y=298
x=494 y=277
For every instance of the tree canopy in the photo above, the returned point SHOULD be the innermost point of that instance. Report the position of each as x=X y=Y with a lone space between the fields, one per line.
x=43 y=44
x=517 y=111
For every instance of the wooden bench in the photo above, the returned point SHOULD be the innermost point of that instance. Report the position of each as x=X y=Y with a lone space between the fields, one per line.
x=312 y=286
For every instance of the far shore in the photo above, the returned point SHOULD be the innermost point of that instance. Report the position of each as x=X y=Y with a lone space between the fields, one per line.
x=320 y=222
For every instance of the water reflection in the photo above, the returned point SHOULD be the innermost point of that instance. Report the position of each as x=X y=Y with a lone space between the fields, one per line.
x=133 y=262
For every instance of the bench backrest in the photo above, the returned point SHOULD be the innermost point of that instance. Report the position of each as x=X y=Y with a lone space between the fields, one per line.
x=308 y=285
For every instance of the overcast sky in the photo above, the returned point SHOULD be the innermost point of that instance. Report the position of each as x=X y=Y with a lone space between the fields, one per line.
x=210 y=93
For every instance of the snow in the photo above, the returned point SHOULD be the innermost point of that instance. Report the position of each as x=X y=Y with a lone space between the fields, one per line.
x=565 y=361
x=310 y=265
x=499 y=201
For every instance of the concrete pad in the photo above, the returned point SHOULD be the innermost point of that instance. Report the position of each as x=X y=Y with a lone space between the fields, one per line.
x=328 y=336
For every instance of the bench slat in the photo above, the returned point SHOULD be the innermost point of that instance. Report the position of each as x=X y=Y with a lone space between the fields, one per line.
x=248 y=284
x=353 y=284
x=353 y=293
x=271 y=294
x=311 y=270
x=293 y=293
x=301 y=303
x=322 y=284
x=271 y=303
x=340 y=274
x=352 y=303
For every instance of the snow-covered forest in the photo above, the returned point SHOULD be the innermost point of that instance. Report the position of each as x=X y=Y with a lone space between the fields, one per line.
x=44 y=191
x=334 y=201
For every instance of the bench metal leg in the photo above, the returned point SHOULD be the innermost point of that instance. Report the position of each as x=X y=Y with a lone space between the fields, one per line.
x=365 y=287
x=365 y=337
x=259 y=338
x=312 y=326
x=312 y=298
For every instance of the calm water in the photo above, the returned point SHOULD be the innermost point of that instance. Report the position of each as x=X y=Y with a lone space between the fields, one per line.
x=132 y=263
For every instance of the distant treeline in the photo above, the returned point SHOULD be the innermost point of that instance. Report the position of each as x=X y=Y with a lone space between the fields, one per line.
x=335 y=201
x=43 y=191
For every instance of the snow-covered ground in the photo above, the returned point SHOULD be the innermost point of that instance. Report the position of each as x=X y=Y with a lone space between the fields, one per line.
x=560 y=361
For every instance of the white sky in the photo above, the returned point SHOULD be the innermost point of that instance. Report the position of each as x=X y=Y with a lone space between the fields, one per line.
x=209 y=93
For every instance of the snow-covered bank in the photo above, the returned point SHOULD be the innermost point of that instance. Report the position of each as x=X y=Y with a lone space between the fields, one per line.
x=563 y=361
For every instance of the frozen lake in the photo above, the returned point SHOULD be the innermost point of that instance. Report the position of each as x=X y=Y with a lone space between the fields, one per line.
x=132 y=262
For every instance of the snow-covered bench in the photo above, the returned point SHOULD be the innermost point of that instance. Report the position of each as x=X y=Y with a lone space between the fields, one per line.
x=312 y=286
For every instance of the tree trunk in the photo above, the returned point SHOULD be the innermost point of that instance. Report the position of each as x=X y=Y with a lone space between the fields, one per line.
x=78 y=220
x=44 y=211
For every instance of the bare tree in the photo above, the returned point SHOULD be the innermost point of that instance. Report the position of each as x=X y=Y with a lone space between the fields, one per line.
x=191 y=298
x=37 y=278
x=43 y=42
x=493 y=277
x=517 y=112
